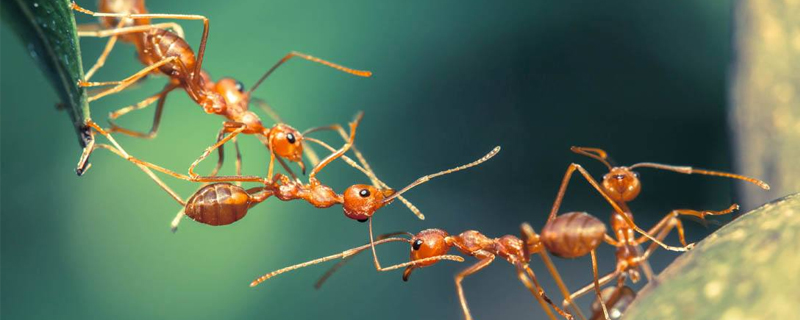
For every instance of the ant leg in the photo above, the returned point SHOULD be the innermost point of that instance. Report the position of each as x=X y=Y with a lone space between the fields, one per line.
x=673 y=216
x=238 y=164
x=340 y=152
x=118 y=150
x=170 y=172
x=466 y=272
x=161 y=97
x=531 y=240
x=102 y=59
x=121 y=85
x=589 y=287
x=528 y=278
x=200 y=52
x=228 y=126
x=597 y=285
x=176 y=28
x=562 y=190
x=220 y=153
x=177 y=220
x=293 y=54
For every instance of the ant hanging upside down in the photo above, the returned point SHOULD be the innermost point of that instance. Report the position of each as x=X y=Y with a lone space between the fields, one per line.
x=166 y=52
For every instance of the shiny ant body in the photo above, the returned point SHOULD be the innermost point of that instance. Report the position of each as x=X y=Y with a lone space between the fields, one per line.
x=166 y=52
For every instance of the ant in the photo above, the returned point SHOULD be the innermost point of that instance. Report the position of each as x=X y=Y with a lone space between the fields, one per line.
x=574 y=235
x=577 y=234
x=432 y=245
x=165 y=51
x=223 y=203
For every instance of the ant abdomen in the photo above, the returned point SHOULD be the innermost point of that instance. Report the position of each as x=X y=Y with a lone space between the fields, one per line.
x=159 y=44
x=218 y=204
x=573 y=234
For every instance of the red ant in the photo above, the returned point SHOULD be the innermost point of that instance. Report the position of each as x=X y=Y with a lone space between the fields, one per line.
x=224 y=203
x=428 y=246
x=577 y=234
x=571 y=235
x=164 y=51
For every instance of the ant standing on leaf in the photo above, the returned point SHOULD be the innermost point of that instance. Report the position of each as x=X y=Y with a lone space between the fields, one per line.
x=577 y=234
x=166 y=52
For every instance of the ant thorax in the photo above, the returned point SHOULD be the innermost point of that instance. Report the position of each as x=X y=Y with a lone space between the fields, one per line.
x=471 y=241
x=315 y=193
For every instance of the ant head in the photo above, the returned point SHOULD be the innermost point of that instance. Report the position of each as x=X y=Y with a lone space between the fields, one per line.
x=232 y=91
x=361 y=201
x=426 y=244
x=622 y=184
x=286 y=142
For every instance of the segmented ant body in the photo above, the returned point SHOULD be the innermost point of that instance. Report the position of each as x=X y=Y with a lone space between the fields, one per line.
x=573 y=235
x=166 y=52
x=430 y=246
x=224 y=203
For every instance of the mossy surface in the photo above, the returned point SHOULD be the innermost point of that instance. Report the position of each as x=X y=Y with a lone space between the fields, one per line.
x=749 y=269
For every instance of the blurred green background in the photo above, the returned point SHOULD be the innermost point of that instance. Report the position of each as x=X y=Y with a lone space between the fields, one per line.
x=645 y=81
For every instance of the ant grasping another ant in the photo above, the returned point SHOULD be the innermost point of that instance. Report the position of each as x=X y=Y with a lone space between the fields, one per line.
x=577 y=234
x=224 y=203
x=432 y=245
x=164 y=51
x=620 y=186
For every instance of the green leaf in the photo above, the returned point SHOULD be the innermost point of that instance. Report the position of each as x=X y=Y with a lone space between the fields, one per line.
x=47 y=28
x=748 y=269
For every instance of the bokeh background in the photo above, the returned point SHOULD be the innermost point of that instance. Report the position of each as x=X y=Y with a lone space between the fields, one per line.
x=645 y=81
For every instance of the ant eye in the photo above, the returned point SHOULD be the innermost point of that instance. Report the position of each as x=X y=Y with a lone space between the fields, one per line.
x=240 y=86
x=635 y=174
x=290 y=137
x=417 y=244
x=362 y=220
x=363 y=193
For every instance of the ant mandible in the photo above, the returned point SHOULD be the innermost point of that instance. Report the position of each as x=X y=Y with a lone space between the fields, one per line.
x=164 y=51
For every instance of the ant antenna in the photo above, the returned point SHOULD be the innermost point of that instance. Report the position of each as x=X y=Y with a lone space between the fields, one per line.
x=342 y=255
x=350 y=252
x=595 y=153
x=690 y=170
x=344 y=261
x=441 y=173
